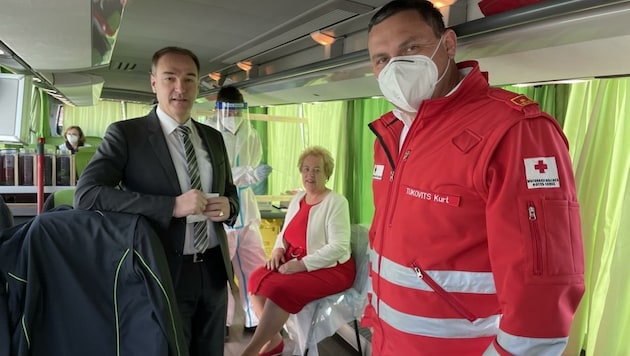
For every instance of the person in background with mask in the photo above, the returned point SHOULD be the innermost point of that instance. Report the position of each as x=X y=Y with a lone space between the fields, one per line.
x=475 y=242
x=245 y=151
x=74 y=139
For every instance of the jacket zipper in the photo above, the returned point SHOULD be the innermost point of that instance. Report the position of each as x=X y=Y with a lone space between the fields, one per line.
x=446 y=296
x=392 y=187
x=533 y=224
x=377 y=282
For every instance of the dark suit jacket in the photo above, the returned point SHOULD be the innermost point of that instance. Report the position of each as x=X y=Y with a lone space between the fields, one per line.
x=132 y=172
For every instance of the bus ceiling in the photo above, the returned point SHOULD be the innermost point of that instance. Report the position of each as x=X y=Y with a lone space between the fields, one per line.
x=102 y=49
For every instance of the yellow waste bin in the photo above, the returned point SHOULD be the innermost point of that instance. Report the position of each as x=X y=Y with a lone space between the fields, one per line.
x=270 y=228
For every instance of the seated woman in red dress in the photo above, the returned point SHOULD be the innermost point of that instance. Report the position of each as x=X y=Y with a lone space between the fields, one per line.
x=311 y=258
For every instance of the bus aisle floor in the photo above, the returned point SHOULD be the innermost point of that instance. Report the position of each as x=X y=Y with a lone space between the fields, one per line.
x=332 y=346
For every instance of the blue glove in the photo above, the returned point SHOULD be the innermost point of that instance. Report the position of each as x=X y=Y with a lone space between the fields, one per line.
x=262 y=171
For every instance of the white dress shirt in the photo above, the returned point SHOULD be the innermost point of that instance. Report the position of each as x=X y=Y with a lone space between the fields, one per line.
x=178 y=156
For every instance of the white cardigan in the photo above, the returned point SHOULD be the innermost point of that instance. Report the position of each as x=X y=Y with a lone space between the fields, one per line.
x=328 y=231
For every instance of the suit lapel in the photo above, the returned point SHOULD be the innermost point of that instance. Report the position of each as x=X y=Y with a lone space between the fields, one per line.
x=158 y=143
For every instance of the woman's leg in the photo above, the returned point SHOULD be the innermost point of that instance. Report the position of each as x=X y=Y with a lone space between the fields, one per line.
x=267 y=334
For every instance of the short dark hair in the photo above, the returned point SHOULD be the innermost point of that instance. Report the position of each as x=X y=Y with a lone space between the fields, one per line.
x=230 y=94
x=176 y=50
x=431 y=15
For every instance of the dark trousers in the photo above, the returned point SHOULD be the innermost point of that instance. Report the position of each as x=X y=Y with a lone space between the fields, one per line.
x=202 y=300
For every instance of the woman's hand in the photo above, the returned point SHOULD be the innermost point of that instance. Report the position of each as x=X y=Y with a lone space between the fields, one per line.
x=276 y=260
x=293 y=266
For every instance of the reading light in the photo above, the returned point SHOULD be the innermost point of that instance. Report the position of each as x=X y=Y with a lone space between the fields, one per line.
x=215 y=76
x=322 y=38
x=442 y=3
x=244 y=65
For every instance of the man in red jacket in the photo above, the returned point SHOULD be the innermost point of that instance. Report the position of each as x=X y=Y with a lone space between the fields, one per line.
x=475 y=243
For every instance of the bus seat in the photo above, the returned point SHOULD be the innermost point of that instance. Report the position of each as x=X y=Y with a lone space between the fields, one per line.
x=82 y=157
x=58 y=198
x=6 y=216
x=92 y=141
x=323 y=317
x=48 y=147
x=55 y=141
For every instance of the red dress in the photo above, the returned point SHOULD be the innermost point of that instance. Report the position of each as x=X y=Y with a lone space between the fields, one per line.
x=292 y=292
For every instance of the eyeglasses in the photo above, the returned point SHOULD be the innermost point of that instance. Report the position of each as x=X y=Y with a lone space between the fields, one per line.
x=308 y=170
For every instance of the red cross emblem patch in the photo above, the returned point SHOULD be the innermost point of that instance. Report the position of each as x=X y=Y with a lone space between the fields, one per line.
x=541 y=172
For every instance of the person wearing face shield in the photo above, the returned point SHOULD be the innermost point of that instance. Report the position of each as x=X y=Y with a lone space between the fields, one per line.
x=245 y=152
x=74 y=139
x=475 y=242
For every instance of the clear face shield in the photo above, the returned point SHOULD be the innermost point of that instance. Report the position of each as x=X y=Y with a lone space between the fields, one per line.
x=230 y=116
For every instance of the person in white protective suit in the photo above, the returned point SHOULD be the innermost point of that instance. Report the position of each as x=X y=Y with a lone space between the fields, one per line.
x=245 y=151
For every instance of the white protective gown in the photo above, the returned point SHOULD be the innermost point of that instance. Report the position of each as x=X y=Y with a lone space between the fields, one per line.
x=244 y=239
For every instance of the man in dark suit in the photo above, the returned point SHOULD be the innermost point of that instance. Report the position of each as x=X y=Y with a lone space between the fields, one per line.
x=141 y=167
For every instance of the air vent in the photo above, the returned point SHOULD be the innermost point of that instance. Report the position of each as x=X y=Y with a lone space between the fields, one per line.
x=123 y=66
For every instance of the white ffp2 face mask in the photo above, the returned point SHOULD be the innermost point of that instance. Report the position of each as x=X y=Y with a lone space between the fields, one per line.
x=408 y=80
x=73 y=139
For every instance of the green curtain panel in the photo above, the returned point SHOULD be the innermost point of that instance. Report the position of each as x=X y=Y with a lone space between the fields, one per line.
x=360 y=156
x=261 y=127
x=327 y=128
x=40 y=123
x=324 y=126
x=286 y=141
x=94 y=120
x=597 y=127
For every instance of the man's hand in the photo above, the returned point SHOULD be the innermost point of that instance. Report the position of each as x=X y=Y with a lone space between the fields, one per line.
x=217 y=209
x=190 y=203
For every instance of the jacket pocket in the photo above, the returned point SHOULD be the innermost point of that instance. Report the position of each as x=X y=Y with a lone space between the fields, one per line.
x=443 y=294
x=555 y=238
x=563 y=238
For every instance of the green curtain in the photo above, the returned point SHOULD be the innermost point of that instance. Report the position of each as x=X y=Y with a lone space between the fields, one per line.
x=43 y=126
x=597 y=127
x=360 y=158
x=94 y=120
x=286 y=141
x=134 y=110
x=325 y=126
x=40 y=117
x=260 y=126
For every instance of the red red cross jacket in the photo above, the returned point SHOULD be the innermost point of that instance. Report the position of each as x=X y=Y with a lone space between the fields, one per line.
x=475 y=243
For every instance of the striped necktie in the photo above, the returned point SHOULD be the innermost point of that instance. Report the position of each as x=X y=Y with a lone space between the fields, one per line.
x=200 y=231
